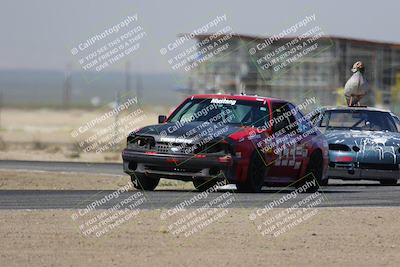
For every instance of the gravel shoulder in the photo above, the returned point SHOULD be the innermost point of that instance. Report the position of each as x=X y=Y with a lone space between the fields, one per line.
x=334 y=236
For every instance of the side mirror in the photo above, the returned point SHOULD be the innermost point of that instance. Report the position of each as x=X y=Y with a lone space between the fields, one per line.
x=161 y=118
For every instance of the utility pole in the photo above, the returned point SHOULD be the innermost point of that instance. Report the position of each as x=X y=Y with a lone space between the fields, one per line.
x=67 y=87
x=116 y=115
x=1 y=104
x=127 y=81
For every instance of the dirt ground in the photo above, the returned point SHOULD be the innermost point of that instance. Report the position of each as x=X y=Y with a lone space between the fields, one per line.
x=55 y=126
x=333 y=237
x=46 y=134
x=41 y=180
x=59 y=152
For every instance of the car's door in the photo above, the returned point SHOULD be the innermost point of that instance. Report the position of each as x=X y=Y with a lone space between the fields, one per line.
x=307 y=133
x=287 y=154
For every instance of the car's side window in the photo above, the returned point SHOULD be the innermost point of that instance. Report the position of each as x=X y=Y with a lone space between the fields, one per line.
x=280 y=118
x=318 y=118
x=303 y=124
x=397 y=121
x=325 y=119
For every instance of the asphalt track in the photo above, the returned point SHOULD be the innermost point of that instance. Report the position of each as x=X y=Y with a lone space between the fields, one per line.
x=336 y=194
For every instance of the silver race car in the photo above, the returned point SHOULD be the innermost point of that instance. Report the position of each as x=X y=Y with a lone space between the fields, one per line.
x=364 y=143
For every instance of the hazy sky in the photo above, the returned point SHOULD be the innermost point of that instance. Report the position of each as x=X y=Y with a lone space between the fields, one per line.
x=40 y=34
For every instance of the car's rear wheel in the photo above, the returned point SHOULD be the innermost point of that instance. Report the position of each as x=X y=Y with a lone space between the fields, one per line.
x=324 y=182
x=388 y=182
x=144 y=182
x=255 y=175
x=313 y=174
x=203 y=185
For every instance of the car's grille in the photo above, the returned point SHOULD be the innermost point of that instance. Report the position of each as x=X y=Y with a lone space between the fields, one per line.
x=177 y=148
x=379 y=166
x=162 y=148
x=172 y=169
x=148 y=143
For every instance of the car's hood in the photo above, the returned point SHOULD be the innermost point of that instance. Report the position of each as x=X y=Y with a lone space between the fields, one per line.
x=191 y=132
x=360 y=138
x=372 y=146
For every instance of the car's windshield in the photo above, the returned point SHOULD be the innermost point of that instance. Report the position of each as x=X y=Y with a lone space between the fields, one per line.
x=358 y=120
x=230 y=111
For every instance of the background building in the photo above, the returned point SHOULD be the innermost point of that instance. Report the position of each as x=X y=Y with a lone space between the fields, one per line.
x=322 y=73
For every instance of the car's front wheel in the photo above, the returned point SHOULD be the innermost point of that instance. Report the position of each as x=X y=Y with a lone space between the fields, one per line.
x=388 y=182
x=144 y=182
x=255 y=175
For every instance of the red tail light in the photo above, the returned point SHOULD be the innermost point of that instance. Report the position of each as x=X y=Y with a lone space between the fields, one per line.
x=344 y=159
x=225 y=159
x=172 y=160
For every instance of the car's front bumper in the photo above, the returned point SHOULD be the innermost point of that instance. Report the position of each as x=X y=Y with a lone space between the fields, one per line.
x=177 y=166
x=352 y=171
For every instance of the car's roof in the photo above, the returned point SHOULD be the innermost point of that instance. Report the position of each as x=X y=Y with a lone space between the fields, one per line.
x=237 y=97
x=356 y=108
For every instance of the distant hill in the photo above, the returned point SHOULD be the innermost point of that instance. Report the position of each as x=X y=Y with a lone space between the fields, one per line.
x=26 y=88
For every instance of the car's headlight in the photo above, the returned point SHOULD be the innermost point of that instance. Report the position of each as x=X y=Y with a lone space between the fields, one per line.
x=339 y=147
x=140 y=142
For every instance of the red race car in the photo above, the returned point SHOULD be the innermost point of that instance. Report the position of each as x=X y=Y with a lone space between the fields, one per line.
x=249 y=141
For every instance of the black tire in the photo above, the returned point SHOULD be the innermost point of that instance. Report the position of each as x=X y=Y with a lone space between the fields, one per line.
x=255 y=175
x=144 y=182
x=203 y=185
x=389 y=182
x=324 y=182
x=314 y=172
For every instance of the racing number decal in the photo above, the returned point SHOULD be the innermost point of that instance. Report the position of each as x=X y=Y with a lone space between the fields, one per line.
x=291 y=157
